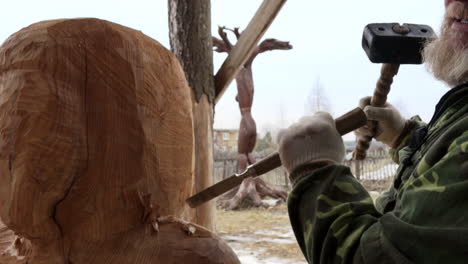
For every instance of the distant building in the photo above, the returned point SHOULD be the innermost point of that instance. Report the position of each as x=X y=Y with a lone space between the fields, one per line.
x=226 y=139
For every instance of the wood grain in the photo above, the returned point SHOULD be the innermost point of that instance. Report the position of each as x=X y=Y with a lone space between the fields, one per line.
x=96 y=145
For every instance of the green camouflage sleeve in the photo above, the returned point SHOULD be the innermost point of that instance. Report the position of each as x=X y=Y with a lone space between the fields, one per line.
x=397 y=155
x=329 y=212
x=335 y=220
x=413 y=123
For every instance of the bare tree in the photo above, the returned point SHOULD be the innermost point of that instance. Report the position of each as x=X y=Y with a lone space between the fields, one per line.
x=190 y=37
x=252 y=189
x=317 y=99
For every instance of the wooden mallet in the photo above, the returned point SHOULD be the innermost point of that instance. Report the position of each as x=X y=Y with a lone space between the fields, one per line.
x=351 y=120
x=391 y=44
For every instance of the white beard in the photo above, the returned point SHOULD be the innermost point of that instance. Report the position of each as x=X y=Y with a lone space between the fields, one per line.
x=448 y=64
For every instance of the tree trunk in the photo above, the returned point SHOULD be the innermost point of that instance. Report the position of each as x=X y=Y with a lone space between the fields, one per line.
x=190 y=37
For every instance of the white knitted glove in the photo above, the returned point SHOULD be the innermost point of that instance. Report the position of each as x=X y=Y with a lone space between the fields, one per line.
x=390 y=123
x=313 y=138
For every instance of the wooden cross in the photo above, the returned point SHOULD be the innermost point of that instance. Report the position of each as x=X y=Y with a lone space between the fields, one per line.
x=246 y=44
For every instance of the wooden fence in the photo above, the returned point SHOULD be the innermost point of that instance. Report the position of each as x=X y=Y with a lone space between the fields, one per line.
x=377 y=166
x=226 y=167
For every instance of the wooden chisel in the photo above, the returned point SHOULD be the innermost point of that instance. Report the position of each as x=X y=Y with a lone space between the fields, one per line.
x=344 y=124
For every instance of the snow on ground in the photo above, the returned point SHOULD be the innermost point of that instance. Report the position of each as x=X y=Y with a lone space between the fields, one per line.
x=250 y=257
x=267 y=237
x=253 y=260
x=263 y=237
x=271 y=202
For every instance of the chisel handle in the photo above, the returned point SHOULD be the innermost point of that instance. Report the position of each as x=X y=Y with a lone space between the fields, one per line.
x=344 y=124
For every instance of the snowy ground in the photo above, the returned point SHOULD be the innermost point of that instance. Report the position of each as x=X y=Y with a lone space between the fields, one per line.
x=260 y=236
x=279 y=235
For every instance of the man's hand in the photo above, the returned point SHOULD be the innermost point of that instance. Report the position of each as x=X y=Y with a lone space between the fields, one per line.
x=390 y=123
x=314 y=138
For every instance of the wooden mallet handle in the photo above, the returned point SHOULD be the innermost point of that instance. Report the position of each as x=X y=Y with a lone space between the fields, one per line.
x=379 y=99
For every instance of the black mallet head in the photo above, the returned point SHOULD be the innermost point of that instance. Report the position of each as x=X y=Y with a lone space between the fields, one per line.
x=394 y=43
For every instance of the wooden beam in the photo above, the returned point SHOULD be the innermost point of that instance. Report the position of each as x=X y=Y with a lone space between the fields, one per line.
x=246 y=44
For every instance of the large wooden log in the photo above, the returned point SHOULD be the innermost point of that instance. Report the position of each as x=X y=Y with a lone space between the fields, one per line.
x=96 y=147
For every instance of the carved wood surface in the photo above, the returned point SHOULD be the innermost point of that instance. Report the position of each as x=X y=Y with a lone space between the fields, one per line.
x=13 y=249
x=96 y=147
x=6 y=237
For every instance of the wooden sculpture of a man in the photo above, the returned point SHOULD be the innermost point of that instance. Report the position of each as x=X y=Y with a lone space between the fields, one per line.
x=252 y=189
x=96 y=148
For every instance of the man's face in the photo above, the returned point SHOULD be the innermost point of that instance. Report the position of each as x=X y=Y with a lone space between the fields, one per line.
x=447 y=56
x=456 y=23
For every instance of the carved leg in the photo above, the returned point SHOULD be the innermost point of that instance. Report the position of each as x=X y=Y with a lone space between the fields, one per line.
x=242 y=162
x=251 y=158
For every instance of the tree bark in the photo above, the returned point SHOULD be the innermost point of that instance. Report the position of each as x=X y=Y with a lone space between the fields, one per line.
x=190 y=37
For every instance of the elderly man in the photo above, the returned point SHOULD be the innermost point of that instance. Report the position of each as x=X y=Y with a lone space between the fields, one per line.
x=423 y=217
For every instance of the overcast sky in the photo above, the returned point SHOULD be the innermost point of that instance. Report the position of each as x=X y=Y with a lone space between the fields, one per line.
x=326 y=36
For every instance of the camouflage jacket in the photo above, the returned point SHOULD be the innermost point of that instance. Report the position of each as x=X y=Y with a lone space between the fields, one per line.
x=422 y=218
